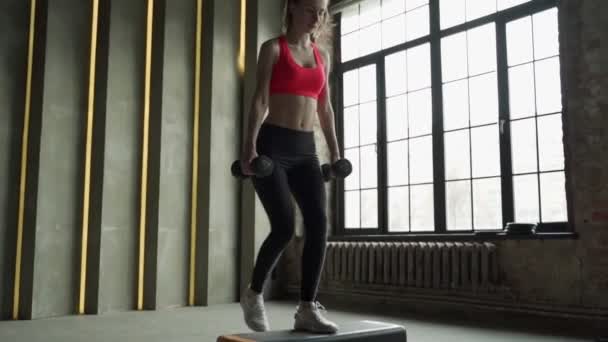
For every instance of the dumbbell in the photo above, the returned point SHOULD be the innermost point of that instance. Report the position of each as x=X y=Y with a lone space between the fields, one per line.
x=261 y=166
x=340 y=169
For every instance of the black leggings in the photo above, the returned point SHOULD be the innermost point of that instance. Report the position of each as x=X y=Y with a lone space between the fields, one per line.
x=297 y=172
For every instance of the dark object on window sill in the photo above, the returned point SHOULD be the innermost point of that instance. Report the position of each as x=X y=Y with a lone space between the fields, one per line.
x=552 y=227
x=520 y=228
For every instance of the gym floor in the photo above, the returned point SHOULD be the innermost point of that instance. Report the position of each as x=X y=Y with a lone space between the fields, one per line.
x=206 y=324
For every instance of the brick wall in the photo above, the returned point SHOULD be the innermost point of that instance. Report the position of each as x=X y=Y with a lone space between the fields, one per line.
x=560 y=276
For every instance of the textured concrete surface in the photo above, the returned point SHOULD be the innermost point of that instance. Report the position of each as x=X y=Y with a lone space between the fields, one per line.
x=206 y=324
x=59 y=202
x=220 y=113
x=176 y=155
x=122 y=171
x=13 y=62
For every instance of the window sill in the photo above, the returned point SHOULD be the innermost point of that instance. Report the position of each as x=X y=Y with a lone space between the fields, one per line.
x=480 y=236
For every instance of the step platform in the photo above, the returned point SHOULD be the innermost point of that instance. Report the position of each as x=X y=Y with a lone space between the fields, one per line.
x=360 y=331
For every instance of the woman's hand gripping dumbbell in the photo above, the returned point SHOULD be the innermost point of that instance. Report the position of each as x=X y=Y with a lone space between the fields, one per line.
x=338 y=170
x=261 y=166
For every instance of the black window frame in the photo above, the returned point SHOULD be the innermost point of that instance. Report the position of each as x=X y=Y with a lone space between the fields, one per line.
x=551 y=230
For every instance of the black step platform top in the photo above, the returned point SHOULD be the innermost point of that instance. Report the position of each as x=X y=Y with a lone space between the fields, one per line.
x=358 y=331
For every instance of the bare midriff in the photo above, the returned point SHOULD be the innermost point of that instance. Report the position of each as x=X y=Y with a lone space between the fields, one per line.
x=292 y=111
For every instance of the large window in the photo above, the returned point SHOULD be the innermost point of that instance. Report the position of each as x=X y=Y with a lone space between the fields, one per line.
x=450 y=111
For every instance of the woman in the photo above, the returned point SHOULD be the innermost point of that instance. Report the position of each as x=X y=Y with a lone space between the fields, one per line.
x=292 y=86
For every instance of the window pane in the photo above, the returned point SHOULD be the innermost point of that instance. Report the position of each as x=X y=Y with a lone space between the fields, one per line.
x=392 y=7
x=393 y=31
x=548 y=86
x=487 y=204
x=546 y=35
x=398 y=210
x=519 y=41
x=479 y=8
x=352 y=182
x=350 y=19
x=504 y=4
x=411 y=4
x=396 y=80
x=369 y=12
x=458 y=205
x=369 y=208
x=423 y=217
x=350 y=46
x=484 y=99
x=482 y=49
x=369 y=39
x=369 y=167
x=523 y=146
x=352 y=209
x=417 y=23
x=420 y=112
x=486 y=151
x=396 y=118
x=419 y=67
x=455 y=105
x=525 y=191
x=553 y=197
x=421 y=160
x=550 y=143
x=367 y=79
x=397 y=163
x=351 y=87
x=521 y=91
x=457 y=155
x=454 y=57
x=351 y=126
x=369 y=121
x=452 y=12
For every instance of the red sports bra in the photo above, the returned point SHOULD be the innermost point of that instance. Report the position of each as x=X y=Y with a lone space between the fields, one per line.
x=288 y=77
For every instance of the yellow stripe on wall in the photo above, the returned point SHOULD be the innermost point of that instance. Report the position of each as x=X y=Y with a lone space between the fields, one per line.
x=87 y=165
x=24 y=147
x=144 y=163
x=195 y=133
x=241 y=58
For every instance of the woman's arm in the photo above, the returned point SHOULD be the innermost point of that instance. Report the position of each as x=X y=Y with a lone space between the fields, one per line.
x=326 y=115
x=259 y=105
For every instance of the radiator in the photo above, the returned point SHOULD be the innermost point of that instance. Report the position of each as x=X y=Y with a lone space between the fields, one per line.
x=439 y=265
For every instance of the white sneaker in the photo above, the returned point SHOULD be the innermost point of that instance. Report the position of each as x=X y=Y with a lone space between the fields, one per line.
x=252 y=304
x=309 y=318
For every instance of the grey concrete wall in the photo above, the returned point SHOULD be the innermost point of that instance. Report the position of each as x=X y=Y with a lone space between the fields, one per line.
x=60 y=181
x=122 y=171
x=221 y=118
x=176 y=154
x=14 y=28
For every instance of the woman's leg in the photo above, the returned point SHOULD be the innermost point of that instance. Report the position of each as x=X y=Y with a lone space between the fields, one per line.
x=309 y=190
x=274 y=194
x=306 y=182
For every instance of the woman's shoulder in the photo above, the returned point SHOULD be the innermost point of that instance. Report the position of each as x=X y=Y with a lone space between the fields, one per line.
x=270 y=50
x=272 y=43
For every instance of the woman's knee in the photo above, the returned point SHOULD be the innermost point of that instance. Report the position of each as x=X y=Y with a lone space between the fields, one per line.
x=282 y=234
x=316 y=221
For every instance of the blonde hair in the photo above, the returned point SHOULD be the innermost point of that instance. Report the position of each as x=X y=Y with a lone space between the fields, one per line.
x=323 y=36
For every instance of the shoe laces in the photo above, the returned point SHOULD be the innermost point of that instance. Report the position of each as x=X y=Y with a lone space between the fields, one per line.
x=316 y=305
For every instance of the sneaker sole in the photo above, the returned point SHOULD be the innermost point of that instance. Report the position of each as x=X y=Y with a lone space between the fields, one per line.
x=297 y=327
